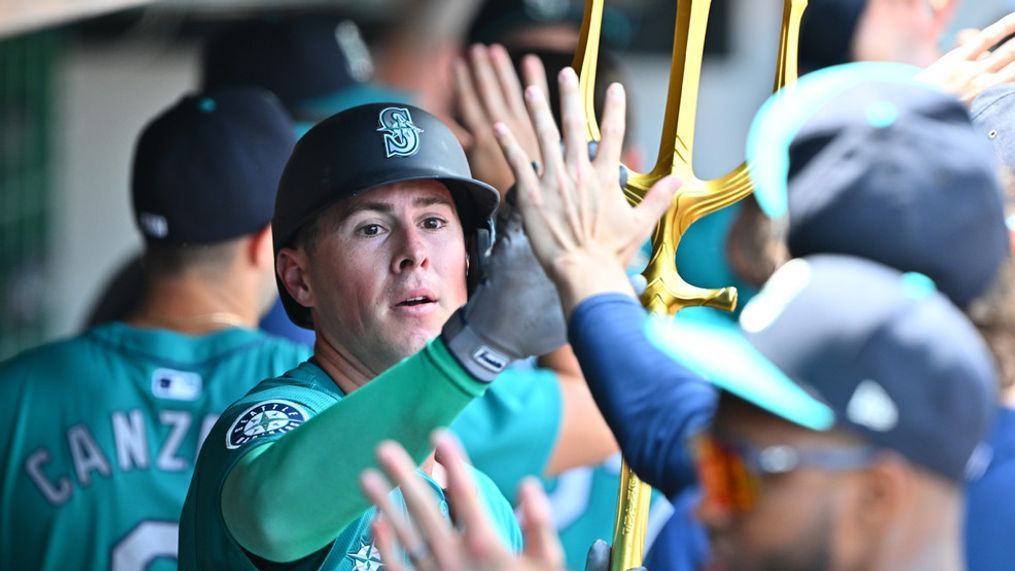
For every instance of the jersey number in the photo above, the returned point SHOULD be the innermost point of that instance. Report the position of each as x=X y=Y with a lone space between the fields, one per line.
x=148 y=541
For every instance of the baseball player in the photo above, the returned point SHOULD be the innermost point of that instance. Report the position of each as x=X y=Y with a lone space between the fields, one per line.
x=534 y=419
x=102 y=430
x=377 y=226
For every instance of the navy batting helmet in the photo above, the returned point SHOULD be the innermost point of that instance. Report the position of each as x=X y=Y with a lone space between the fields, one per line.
x=366 y=147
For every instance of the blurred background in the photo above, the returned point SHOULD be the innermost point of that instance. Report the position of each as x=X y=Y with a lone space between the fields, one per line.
x=79 y=78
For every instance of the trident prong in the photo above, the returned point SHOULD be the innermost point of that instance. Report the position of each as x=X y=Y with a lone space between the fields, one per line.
x=666 y=292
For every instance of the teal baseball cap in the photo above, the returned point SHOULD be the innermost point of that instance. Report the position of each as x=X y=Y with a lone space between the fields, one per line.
x=842 y=342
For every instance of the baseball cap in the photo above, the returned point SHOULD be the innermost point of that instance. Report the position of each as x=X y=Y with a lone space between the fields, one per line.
x=993 y=113
x=881 y=166
x=826 y=33
x=842 y=342
x=304 y=61
x=366 y=147
x=207 y=169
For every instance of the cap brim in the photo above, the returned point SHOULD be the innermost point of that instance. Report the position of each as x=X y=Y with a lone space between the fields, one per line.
x=785 y=113
x=718 y=351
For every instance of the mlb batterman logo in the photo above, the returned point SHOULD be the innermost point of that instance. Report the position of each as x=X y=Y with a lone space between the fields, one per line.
x=401 y=136
x=264 y=419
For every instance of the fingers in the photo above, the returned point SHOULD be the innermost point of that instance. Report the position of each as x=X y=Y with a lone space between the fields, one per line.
x=657 y=200
x=490 y=90
x=572 y=118
x=541 y=541
x=469 y=107
x=511 y=86
x=520 y=164
x=462 y=495
x=546 y=131
x=399 y=530
x=421 y=504
x=612 y=127
x=965 y=36
x=1000 y=57
x=535 y=74
x=988 y=38
x=386 y=543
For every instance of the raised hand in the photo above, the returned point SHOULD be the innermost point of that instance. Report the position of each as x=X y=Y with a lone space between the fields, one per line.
x=424 y=536
x=580 y=226
x=975 y=66
x=487 y=91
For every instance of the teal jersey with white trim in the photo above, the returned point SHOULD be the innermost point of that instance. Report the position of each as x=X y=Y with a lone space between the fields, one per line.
x=583 y=502
x=101 y=432
x=271 y=410
x=511 y=431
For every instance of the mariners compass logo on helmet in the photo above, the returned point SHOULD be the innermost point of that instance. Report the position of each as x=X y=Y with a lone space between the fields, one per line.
x=264 y=419
x=401 y=136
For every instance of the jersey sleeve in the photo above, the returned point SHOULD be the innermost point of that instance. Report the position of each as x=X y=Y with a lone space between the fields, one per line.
x=652 y=403
x=512 y=430
x=296 y=495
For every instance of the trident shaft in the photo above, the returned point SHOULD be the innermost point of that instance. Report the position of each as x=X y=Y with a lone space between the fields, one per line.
x=668 y=293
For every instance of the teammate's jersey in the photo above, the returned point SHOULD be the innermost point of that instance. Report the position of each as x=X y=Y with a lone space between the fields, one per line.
x=267 y=413
x=100 y=434
x=584 y=506
x=512 y=429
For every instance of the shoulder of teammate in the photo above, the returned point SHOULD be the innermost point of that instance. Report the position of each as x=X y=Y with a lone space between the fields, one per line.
x=39 y=368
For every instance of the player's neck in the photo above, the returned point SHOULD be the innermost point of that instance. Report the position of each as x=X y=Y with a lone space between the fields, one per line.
x=193 y=306
x=344 y=369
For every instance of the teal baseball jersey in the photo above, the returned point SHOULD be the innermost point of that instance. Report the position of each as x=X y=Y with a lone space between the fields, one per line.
x=100 y=436
x=270 y=411
x=584 y=506
x=511 y=431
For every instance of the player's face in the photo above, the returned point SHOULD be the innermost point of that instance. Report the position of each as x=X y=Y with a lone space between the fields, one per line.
x=387 y=271
x=799 y=521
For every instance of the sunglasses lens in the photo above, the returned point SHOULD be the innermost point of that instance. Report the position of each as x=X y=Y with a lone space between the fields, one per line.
x=727 y=484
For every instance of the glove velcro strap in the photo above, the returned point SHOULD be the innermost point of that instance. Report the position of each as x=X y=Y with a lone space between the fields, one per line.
x=473 y=353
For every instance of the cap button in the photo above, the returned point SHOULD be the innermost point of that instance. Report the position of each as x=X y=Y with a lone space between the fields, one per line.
x=992 y=134
x=206 y=104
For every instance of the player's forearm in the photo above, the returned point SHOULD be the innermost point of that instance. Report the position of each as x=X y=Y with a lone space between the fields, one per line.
x=300 y=492
x=652 y=403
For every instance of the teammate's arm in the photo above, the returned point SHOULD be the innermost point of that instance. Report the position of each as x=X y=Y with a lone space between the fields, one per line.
x=584 y=438
x=652 y=403
x=288 y=499
x=582 y=229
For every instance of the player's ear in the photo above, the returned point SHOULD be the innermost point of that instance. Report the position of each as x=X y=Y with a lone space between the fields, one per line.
x=292 y=266
x=259 y=248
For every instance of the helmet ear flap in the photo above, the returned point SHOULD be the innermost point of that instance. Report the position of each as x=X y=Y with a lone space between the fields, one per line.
x=478 y=251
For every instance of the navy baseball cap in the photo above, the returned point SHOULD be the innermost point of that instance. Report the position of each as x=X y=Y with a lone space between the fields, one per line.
x=300 y=59
x=366 y=147
x=842 y=342
x=993 y=114
x=207 y=169
x=878 y=165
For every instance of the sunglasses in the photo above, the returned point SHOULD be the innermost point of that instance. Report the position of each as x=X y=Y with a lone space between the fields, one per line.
x=730 y=473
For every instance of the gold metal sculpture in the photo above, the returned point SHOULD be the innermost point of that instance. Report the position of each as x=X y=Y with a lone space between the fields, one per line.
x=667 y=292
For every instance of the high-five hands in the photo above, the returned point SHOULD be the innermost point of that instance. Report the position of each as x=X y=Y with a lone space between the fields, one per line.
x=581 y=227
x=426 y=539
x=488 y=91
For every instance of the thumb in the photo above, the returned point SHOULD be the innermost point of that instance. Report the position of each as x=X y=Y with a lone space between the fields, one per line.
x=657 y=201
x=965 y=36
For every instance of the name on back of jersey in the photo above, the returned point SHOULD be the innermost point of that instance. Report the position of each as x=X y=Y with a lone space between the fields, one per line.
x=130 y=441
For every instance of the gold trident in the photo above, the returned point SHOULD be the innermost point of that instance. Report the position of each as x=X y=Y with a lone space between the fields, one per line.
x=666 y=292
